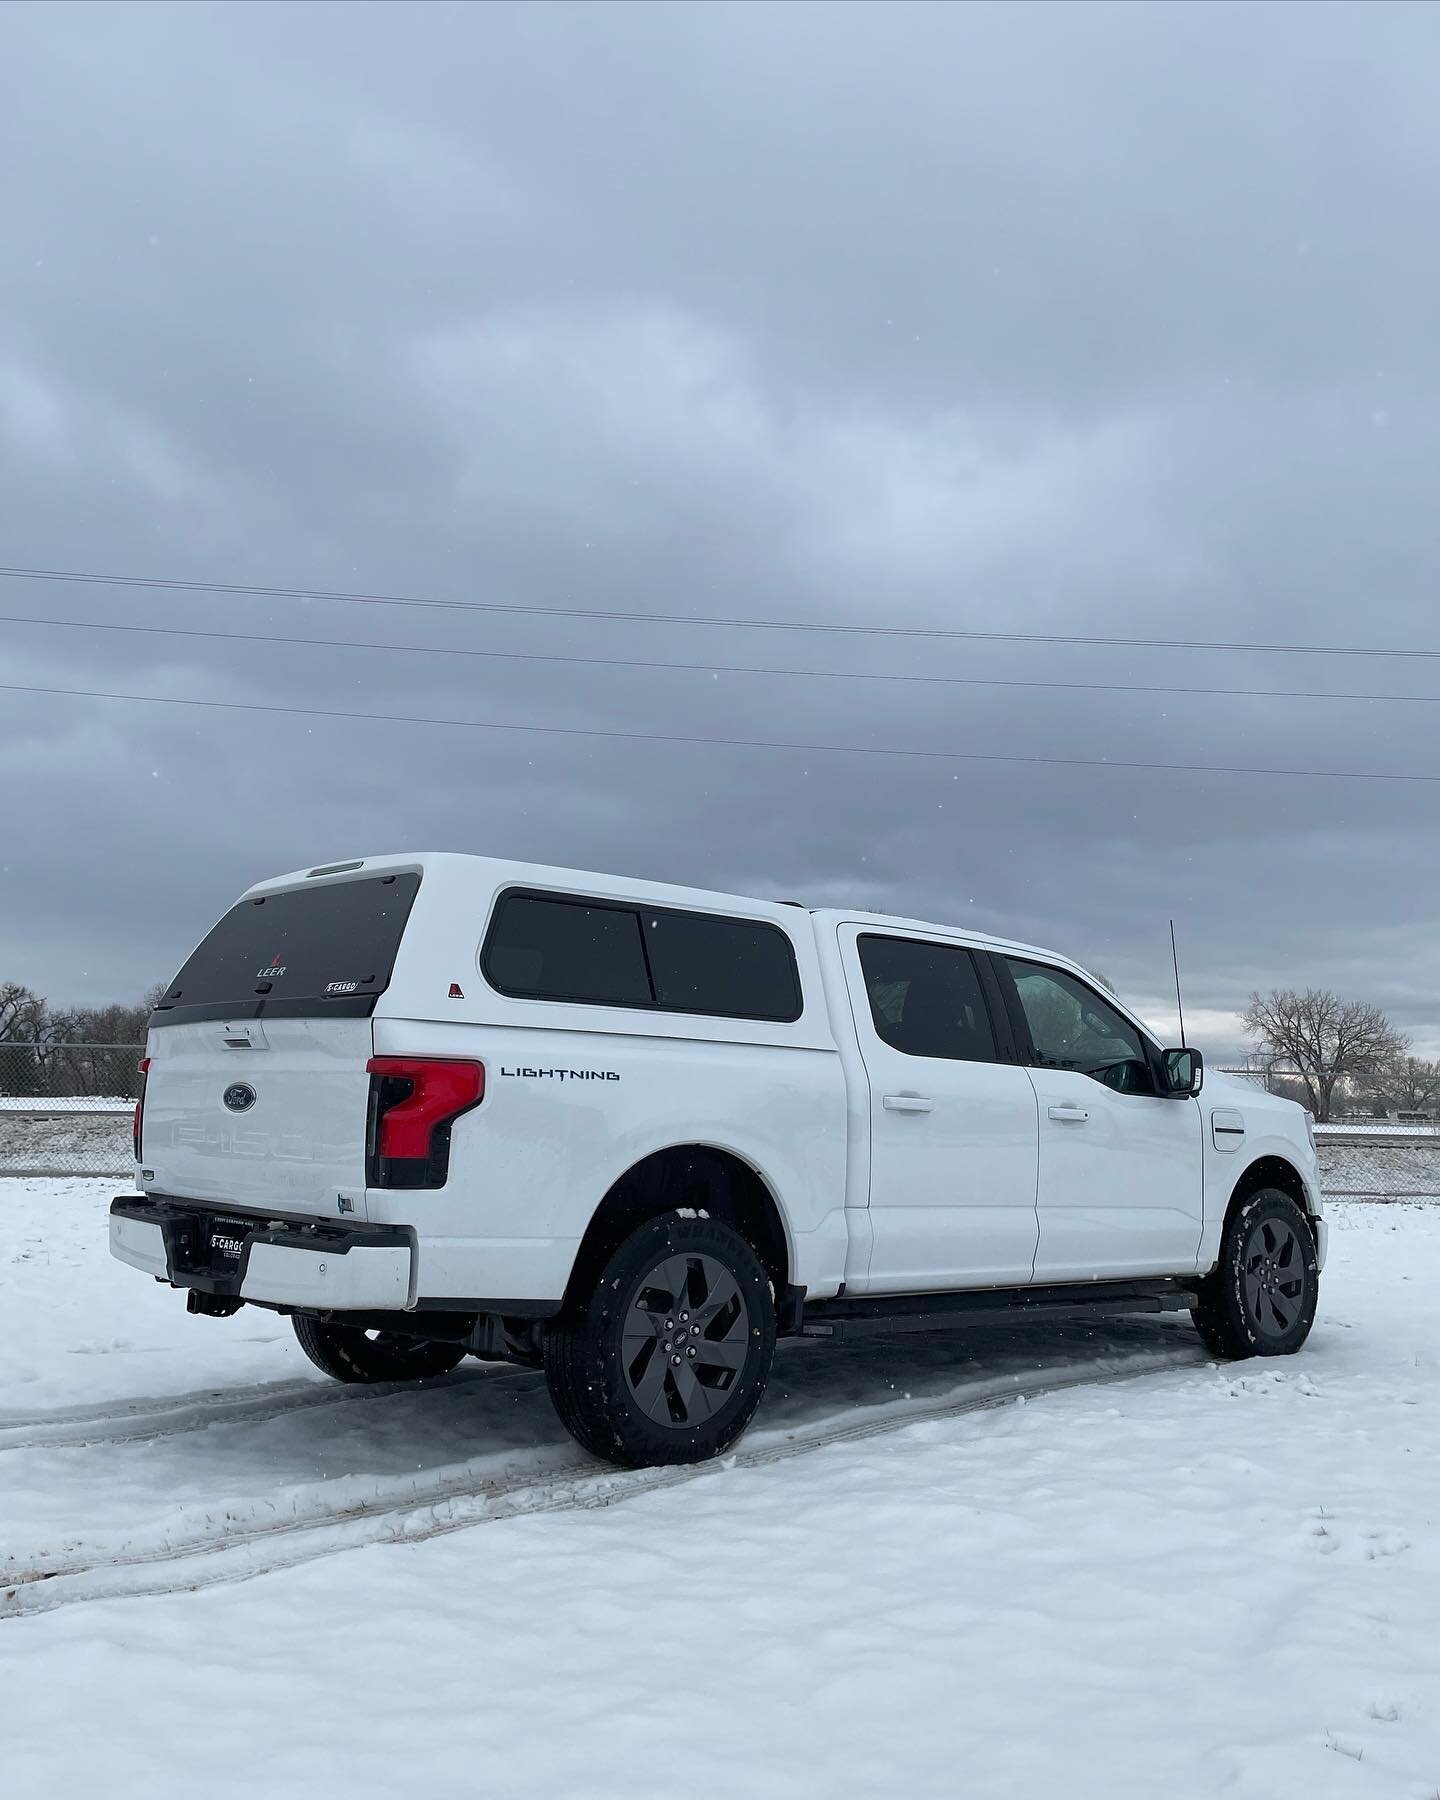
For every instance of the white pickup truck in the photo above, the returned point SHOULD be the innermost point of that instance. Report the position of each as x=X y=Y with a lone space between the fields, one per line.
x=435 y=1106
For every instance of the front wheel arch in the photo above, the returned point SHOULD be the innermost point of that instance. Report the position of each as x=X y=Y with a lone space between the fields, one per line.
x=1270 y=1172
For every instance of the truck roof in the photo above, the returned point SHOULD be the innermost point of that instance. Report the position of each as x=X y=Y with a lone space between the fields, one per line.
x=593 y=881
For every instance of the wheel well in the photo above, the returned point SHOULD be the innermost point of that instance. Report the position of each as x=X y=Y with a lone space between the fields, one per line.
x=1271 y=1171
x=687 y=1175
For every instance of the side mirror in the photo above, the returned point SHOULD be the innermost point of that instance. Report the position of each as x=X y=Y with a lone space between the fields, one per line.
x=1184 y=1073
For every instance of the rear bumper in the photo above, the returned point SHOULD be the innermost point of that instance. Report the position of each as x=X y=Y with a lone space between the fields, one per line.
x=305 y=1263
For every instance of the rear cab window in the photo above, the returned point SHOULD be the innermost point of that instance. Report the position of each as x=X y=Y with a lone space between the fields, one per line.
x=326 y=949
x=662 y=959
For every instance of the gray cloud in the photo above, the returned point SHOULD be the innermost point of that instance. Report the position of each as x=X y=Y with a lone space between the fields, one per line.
x=1083 y=319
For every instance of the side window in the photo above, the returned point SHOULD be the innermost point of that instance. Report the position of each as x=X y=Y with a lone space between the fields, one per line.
x=542 y=949
x=926 y=999
x=1071 y=1027
x=735 y=968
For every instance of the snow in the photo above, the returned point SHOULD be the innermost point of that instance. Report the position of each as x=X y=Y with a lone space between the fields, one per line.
x=68 y=1103
x=66 y=1140
x=1199 y=1581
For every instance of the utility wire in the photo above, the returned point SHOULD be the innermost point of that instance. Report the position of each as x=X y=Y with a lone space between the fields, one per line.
x=158 y=583
x=703 y=668
x=672 y=737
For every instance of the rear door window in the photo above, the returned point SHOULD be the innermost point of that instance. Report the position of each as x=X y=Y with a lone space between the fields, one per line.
x=330 y=947
x=926 y=999
x=598 y=953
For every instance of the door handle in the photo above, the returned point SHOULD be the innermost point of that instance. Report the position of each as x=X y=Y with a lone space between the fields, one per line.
x=1069 y=1114
x=244 y=1037
x=907 y=1103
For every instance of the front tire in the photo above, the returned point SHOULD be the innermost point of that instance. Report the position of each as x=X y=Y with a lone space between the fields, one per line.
x=1260 y=1298
x=665 y=1355
x=350 y=1353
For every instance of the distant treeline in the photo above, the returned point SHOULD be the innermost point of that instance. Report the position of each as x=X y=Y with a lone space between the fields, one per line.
x=52 y=1051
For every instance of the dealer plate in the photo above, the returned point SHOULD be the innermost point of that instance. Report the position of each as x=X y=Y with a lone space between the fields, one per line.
x=227 y=1239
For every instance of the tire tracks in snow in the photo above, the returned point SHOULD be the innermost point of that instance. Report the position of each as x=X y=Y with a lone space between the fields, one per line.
x=135 y=1421
x=227 y=1550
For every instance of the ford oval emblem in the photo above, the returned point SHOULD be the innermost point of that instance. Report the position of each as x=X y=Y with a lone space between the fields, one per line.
x=239 y=1096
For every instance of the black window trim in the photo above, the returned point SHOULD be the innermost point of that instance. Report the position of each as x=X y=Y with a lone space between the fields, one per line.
x=1005 y=981
x=637 y=910
x=1000 y=1030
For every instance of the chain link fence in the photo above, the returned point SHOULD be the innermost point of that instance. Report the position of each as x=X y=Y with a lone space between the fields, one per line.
x=65 y=1109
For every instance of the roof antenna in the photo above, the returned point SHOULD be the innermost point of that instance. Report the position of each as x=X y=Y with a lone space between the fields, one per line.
x=1180 y=1004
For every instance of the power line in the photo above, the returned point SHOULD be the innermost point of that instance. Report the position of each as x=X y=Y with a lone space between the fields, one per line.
x=673 y=737
x=165 y=584
x=704 y=668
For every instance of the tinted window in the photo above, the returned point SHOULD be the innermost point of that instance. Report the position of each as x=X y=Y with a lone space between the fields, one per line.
x=1071 y=1027
x=329 y=943
x=734 y=967
x=567 y=950
x=543 y=948
x=926 y=999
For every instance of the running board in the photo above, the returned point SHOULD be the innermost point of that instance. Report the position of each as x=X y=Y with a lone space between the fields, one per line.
x=836 y=1321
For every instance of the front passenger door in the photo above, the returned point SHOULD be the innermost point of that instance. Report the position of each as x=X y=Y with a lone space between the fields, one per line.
x=1121 y=1165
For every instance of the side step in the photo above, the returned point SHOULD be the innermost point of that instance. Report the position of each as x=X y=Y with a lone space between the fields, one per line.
x=837 y=1321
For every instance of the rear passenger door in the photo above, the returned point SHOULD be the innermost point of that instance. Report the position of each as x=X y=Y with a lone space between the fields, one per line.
x=953 y=1124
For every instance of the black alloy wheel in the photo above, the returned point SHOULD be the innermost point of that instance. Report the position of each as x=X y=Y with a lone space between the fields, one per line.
x=1260 y=1298
x=685 y=1340
x=1273 y=1277
x=664 y=1346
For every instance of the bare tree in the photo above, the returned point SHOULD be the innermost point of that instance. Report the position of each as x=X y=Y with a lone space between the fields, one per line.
x=22 y=1014
x=83 y=1050
x=1406 y=1084
x=1325 y=1040
x=99 y=1046
x=24 y=1034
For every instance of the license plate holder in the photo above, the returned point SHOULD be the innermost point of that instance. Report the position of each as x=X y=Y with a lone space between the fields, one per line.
x=225 y=1241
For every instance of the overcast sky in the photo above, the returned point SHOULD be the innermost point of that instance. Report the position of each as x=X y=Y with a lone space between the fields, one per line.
x=1112 y=321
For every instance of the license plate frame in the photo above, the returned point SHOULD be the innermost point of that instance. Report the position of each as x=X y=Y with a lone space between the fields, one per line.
x=225 y=1242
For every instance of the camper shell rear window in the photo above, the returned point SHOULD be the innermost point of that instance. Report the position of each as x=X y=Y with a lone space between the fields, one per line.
x=544 y=946
x=304 y=952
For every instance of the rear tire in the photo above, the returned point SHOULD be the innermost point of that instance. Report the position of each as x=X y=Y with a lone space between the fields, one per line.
x=665 y=1354
x=350 y=1353
x=1260 y=1298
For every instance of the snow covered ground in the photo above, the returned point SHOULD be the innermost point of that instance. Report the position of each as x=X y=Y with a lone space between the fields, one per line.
x=1195 y=1581
x=58 y=1138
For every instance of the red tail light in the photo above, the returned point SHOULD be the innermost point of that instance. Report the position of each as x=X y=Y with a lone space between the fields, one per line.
x=414 y=1100
x=144 y=1067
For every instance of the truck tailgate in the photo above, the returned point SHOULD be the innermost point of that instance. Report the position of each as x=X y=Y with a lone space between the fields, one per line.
x=260 y=1115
